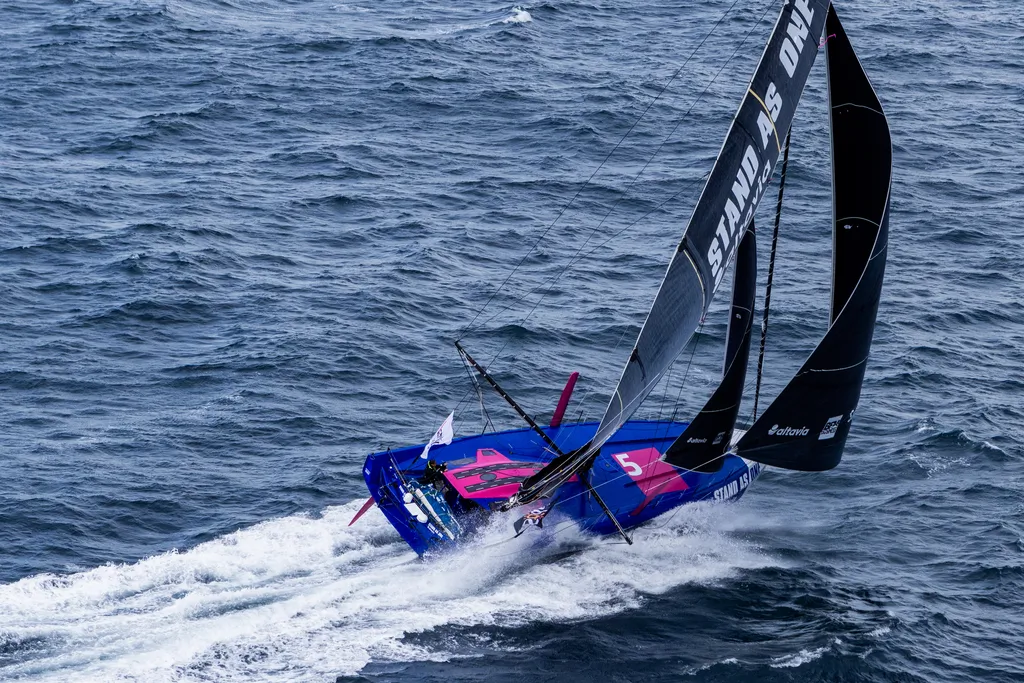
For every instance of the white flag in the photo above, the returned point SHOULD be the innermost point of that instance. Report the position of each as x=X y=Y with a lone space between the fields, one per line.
x=443 y=435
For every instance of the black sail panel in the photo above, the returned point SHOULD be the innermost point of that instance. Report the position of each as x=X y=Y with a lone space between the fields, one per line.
x=805 y=428
x=733 y=190
x=701 y=445
x=861 y=163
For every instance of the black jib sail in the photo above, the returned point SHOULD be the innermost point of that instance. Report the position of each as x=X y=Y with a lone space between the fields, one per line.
x=701 y=445
x=734 y=188
x=805 y=428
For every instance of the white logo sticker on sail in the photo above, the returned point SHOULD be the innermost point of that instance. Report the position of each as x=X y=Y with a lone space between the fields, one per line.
x=830 y=428
x=776 y=430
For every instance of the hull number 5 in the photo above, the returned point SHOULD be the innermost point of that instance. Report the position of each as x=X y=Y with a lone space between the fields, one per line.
x=632 y=469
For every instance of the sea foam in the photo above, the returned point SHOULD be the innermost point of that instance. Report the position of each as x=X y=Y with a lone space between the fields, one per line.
x=307 y=597
x=519 y=16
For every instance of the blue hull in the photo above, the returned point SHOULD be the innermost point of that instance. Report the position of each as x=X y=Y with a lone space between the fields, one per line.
x=486 y=469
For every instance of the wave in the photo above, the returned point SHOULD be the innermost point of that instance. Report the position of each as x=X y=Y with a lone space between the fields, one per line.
x=800 y=658
x=519 y=16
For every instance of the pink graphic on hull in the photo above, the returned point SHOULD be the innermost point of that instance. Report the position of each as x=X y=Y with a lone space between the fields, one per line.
x=492 y=475
x=652 y=476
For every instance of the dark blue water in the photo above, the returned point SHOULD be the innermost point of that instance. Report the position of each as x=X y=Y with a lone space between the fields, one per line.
x=238 y=237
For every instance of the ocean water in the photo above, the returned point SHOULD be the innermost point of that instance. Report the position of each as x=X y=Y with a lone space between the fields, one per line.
x=239 y=236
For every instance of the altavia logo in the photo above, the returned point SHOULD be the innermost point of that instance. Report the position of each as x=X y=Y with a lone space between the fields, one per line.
x=776 y=430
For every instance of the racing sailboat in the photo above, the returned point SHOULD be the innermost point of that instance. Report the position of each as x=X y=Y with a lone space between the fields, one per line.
x=613 y=475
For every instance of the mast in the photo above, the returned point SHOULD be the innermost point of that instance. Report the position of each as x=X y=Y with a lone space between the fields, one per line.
x=734 y=189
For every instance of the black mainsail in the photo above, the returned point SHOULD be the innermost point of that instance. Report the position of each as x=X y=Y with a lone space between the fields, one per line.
x=805 y=428
x=726 y=205
x=706 y=439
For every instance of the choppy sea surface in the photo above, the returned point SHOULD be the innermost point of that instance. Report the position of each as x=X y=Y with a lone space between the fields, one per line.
x=237 y=238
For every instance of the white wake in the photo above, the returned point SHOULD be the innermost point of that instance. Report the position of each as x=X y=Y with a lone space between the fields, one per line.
x=303 y=598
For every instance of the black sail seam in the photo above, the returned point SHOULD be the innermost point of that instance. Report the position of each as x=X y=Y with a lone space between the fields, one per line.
x=878 y=253
x=719 y=410
x=848 y=367
x=859 y=106
x=857 y=218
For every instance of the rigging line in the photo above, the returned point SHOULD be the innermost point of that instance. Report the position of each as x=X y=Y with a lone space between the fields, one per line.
x=591 y=451
x=501 y=392
x=771 y=275
x=458 y=406
x=675 y=406
x=601 y=165
x=664 y=395
x=642 y=468
x=444 y=381
x=611 y=480
x=660 y=206
x=576 y=258
x=480 y=396
x=577 y=468
x=491 y=364
x=624 y=475
x=696 y=341
x=590 y=388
